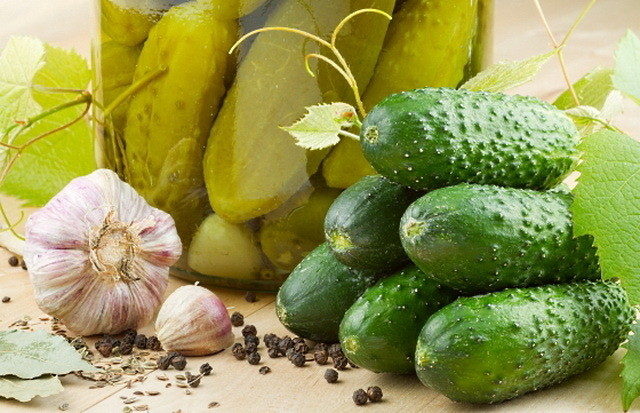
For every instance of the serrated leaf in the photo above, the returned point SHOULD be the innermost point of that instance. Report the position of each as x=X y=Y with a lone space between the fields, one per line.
x=322 y=125
x=626 y=75
x=589 y=119
x=631 y=368
x=592 y=90
x=507 y=75
x=21 y=58
x=607 y=205
x=25 y=390
x=48 y=165
x=29 y=354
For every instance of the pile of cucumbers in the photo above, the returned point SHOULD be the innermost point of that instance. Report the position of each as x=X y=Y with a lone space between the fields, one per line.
x=458 y=260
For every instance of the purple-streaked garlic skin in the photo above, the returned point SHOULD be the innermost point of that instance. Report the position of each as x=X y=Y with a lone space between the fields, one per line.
x=98 y=255
x=194 y=321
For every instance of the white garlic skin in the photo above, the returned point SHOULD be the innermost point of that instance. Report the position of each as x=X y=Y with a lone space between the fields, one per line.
x=194 y=321
x=98 y=255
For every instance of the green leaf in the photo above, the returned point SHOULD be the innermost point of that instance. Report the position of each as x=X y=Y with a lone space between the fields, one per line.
x=589 y=119
x=631 y=368
x=25 y=390
x=29 y=354
x=592 y=90
x=46 y=166
x=506 y=75
x=21 y=58
x=626 y=76
x=607 y=205
x=322 y=125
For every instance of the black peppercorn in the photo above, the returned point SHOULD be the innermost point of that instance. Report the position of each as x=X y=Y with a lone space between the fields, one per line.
x=301 y=347
x=193 y=380
x=289 y=353
x=360 y=397
x=340 y=363
x=331 y=376
x=270 y=340
x=297 y=340
x=298 y=359
x=164 y=362
x=251 y=348
x=253 y=358
x=321 y=357
x=179 y=362
x=352 y=364
x=273 y=352
x=237 y=319
x=285 y=344
x=206 y=369
x=374 y=393
x=321 y=347
x=250 y=339
x=335 y=350
x=238 y=351
x=129 y=337
x=140 y=341
x=104 y=348
x=264 y=370
x=153 y=344
x=249 y=330
x=250 y=296
x=126 y=348
x=14 y=261
x=6 y=299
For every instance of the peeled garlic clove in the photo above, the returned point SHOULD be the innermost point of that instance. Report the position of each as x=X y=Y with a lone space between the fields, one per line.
x=194 y=321
x=99 y=255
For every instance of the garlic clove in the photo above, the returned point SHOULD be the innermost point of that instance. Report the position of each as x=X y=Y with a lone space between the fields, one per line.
x=99 y=255
x=194 y=321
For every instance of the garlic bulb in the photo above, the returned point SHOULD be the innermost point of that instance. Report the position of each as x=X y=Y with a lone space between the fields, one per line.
x=99 y=255
x=194 y=321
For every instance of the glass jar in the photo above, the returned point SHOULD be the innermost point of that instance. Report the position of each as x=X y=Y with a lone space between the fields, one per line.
x=196 y=129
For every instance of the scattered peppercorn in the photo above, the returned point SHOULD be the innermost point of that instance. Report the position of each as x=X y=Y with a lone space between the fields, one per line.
x=264 y=370
x=14 y=261
x=140 y=341
x=340 y=363
x=360 y=397
x=193 y=380
x=352 y=364
x=206 y=369
x=298 y=359
x=270 y=340
x=301 y=347
x=104 y=348
x=331 y=376
x=253 y=358
x=250 y=296
x=285 y=344
x=250 y=339
x=321 y=347
x=23 y=265
x=249 y=330
x=164 y=362
x=273 y=352
x=297 y=340
x=238 y=351
x=335 y=350
x=153 y=344
x=321 y=357
x=289 y=353
x=126 y=348
x=179 y=362
x=6 y=299
x=237 y=319
x=374 y=393
x=251 y=348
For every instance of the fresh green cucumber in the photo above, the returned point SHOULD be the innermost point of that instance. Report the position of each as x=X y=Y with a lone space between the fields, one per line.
x=315 y=296
x=482 y=238
x=435 y=137
x=494 y=347
x=380 y=330
x=361 y=226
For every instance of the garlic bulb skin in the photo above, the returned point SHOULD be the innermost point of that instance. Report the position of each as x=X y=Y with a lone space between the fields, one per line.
x=99 y=255
x=194 y=321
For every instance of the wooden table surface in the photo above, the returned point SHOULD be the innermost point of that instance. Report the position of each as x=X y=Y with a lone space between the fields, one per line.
x=237 y=386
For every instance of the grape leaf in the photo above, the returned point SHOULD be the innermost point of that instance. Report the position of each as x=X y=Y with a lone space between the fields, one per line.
x=589 y=119
x=626 y=75
x=25 y=390
x=631 y=368
x=322 y=125
x=592 y=90
x=607 y=205
x=506 y=75
x=46 y=166
x=29 y=354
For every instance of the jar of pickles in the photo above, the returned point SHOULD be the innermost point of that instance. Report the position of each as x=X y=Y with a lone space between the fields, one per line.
x=197 y=129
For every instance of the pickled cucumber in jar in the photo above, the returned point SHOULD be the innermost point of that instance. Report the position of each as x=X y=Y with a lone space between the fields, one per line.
x=287 y=238
x=169 y=119
x=345 y=165
x=252 y=166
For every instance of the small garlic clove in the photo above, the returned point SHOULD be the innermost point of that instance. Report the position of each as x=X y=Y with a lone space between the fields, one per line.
x=99 y=255
x=194 y=321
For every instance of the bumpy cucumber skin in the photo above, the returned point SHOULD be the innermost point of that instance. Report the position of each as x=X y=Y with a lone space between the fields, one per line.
x=481 y=238
x=168 y=121
x=361 y=227
x=380 y=330
x=494 y=347
x=315 y=296
x=435 y=137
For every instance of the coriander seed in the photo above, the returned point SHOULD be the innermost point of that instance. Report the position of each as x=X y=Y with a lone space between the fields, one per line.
x=374 y=393
x=360 y=397
x=331 y=376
